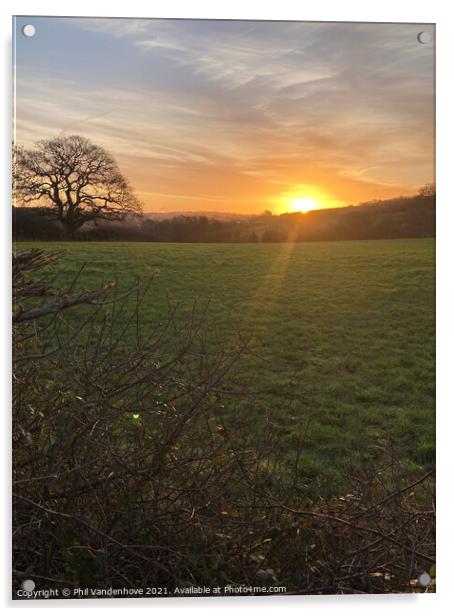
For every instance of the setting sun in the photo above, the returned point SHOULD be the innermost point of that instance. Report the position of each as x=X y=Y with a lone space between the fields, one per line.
x=304 y=204
x=305 y=198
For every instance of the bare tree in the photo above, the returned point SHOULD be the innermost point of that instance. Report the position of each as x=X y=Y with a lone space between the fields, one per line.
x=428 y=190
x=75 y=180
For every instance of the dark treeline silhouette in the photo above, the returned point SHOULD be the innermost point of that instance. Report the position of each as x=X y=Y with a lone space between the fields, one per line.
x=402 y=217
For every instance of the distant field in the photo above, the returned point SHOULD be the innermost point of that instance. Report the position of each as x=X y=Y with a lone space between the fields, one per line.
x=343 y=333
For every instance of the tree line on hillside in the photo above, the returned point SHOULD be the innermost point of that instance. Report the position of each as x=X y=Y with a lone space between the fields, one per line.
x=405 y=217
x=69 y=188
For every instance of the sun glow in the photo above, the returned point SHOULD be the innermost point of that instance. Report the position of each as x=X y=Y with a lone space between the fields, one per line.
x=305 y=198
x=304 y=204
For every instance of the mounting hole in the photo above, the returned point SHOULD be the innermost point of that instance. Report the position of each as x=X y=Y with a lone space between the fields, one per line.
x=424 y=579
x=29 y=30
x=28 y=585
x=424 y=38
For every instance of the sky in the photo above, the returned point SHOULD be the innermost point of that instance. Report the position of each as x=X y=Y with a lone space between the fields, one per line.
x=236 y=116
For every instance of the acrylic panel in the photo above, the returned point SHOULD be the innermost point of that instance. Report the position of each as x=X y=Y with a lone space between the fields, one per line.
x=223 y=308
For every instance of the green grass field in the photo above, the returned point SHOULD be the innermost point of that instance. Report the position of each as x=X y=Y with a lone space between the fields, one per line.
x=343 y=333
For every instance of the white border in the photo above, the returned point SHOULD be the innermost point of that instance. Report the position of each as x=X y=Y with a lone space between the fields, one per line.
x=428 y=11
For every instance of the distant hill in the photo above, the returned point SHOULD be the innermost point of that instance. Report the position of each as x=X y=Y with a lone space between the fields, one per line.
x=403 y=217
x=191 y=214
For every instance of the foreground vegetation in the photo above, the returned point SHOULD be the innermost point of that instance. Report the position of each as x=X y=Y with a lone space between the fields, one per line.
x=136 y=465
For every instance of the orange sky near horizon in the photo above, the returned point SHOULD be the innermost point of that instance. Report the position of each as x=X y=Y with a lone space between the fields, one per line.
x=237 y=116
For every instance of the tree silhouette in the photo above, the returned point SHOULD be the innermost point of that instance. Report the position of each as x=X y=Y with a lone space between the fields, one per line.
x=75 y=180
x=428 y=190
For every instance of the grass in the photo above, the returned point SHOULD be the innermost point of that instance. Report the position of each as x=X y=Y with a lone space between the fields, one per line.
x=343 y=334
